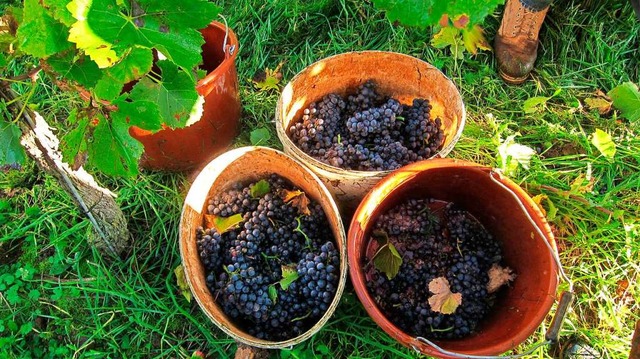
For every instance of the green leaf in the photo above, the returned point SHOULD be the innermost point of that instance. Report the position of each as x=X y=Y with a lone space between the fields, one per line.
x=223 y=224
x=604 y=143
x=39 y=34
x=289 y=275
x=74 y=143
x=388 y=260
x=97 y=48
x=34 y=294
x=3 y=60
x=538 y=103
x=173 y=30
x=131 y=67
x=273 y=293
x=144 y=114
x=175 y=93
x=626 y=98
x=112 y=150
x=81 y=70
x=11 y=151
x=260 y=189
x=512 y=154
x=181 y=279
x=424 y=13
x=58 y=8
x=449 y=37
x=260 y=136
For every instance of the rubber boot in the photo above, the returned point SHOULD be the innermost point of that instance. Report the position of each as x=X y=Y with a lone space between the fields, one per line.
x=516 y=43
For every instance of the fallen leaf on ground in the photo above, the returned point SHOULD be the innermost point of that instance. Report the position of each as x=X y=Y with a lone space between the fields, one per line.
x=268 y=79
x=182 y=282
x=598 y=103
x=443 y=300
x=499 y=276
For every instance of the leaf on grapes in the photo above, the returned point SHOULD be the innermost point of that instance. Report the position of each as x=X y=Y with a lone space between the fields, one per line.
x=74 y=143
x=11 y=152
x=58 y=9
x=289 y=275
x=598 y=103
x=626 y=98
x=85 y=38
x=297 y=199
x=175 y=93
x=268 y=79
x=112 y=150
x=474 y=39
x=181 y=278
x=260 y=189
x=499 y=276
x=449 y=37
x=273 y=293
x=388 y=260
x=81 y=69
x=381 y=236
x=172 y=30
x=604 y=143
x=260 y=136
x=443 y=300
x=222 y=224
x=39 y=34
x=131 y=67
x=144 y=114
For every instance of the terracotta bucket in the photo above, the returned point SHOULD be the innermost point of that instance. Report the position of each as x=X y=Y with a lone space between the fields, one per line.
x=190 y=147
x=246 y=164
x=507 y=212
x=399 y=76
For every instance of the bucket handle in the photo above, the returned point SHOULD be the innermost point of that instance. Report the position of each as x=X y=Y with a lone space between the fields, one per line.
x=566 y=298
x=228 y=52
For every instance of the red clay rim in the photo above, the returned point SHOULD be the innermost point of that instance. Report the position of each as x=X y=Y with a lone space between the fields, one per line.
x=391 y=183
x=227 y=62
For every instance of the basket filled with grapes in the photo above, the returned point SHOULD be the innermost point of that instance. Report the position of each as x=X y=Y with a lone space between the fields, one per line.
x=354 y=117
x=263 y=247
x=448 y=254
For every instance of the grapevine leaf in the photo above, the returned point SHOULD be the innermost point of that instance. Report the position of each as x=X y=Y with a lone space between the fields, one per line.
x=461 y=21
x=3 y=60
x=297 y=199
x=98 y=49
x=552 y=212
x=474 y=39
x=268 y=79
x=11 y=152
x=604 y=143
x=58 y=9
x=443 y=300
x=598 y=103
x=626 y=98
x=512 y=154
x=388 y=260
x=175 y=93
x=289 y=275
x=112 y=150
x=144 y=114
x=499 y=276
x=131 y=67
x=39 y=34
x=535 y=104
x=260 y=189
x=273 y=293
x=223 y=224
x=74 y=143
x=424 y=13
x=81 y=70
x=381 y=236
x=260 y=136
x=181 y=279
x=451 y=37
x=151 y=23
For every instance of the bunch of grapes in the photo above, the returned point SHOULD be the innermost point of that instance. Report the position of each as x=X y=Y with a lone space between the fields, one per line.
x=245 y=266
x=367 y=131
x=435 y=239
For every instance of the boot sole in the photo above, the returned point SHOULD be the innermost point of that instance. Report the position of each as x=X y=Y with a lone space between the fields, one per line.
x=512 y=80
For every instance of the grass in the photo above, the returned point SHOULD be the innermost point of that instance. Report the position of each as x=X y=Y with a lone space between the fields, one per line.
x=58 y=298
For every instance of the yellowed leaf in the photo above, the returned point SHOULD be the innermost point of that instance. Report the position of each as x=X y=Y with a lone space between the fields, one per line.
x=297 y=199
x=222 y=224
x=474 y=39
x=443 y=300
x=598 y=103
x=499 y=276
x=182 y=282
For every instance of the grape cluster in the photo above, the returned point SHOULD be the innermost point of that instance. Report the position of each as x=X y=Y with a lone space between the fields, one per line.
x=435 y=239
x=244 y=266
x=367 y=131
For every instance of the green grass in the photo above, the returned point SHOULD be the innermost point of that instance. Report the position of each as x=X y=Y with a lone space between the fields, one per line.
x=59 y=298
